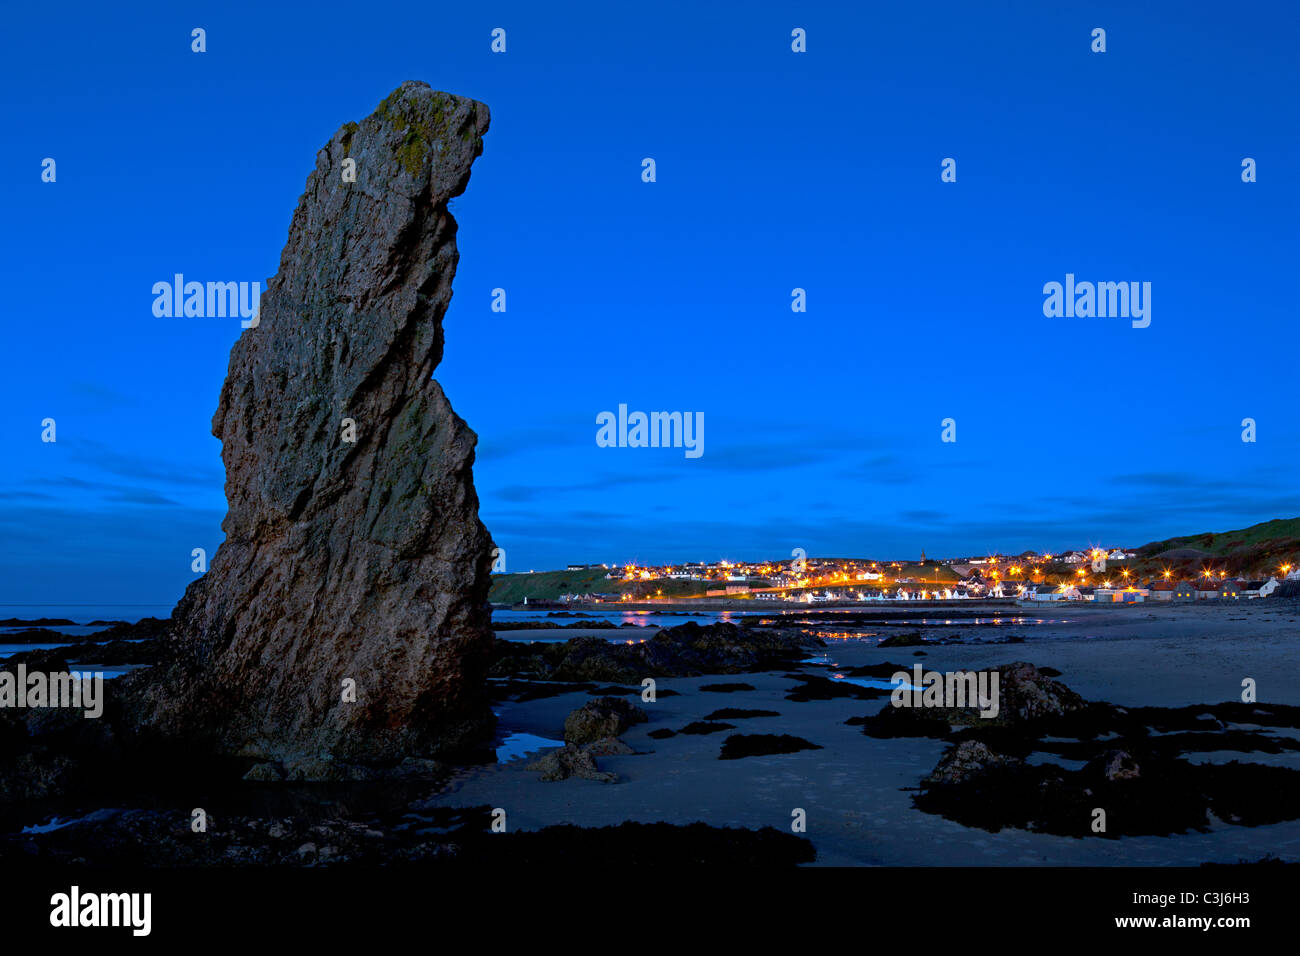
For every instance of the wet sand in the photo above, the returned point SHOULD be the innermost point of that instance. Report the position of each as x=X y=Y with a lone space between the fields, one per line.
x=856 y=790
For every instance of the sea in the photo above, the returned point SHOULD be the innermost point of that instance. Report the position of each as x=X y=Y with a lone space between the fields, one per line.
x=650 y=620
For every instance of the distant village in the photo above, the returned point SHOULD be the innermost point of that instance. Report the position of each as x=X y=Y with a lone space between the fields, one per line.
x=1097 y=574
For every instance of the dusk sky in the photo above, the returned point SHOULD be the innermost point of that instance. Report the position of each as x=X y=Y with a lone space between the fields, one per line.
x=775 y=170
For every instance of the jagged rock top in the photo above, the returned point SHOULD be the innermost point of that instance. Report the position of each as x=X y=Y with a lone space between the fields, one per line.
x=412 y=154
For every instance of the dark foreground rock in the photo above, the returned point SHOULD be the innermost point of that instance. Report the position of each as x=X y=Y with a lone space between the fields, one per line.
x=1133 y=770
x=354 y=555
x=601 y=718
x=759 y=745
x=687 y=650
x=571 y=760
x=459 y=838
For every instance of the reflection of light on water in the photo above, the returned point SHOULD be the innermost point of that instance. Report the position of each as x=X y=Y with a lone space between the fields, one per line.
x=842 y=635
x=56 y=823
x=875 y=683
x=520 y=745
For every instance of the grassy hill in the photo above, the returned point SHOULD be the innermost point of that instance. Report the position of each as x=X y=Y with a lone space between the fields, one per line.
x=1257 y=550
x=929 y=572
x=549 y=585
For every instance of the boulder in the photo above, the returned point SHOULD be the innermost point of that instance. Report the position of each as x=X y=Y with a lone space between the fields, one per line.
x=570 y=761
x=601 y=718
x=968 y=759
x=1026 y=693
x=1115 y=765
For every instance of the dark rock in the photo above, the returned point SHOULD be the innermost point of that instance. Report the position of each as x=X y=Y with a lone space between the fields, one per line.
x=737 y=713
x=962 y=762
x=760 y=745
x=893 y=721
x=570 y=761
x=117 y=652
x=601 y=718
x=1116 y=765
x=608 y=747
x=608 y=849
x=725 y=688
x=147 y=628
x=825 y=688
x=364 y=560
x=1028 y=694
x=459 y=838
x=908 y=639
x=687 y=650
x=705 y=727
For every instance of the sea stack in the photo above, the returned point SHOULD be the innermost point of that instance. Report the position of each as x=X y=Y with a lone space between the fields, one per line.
x=344 y=623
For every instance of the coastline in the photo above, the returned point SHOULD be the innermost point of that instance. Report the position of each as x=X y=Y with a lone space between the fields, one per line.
x=857 y=790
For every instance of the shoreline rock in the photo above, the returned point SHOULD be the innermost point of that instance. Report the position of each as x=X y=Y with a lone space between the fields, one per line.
x=354 y=558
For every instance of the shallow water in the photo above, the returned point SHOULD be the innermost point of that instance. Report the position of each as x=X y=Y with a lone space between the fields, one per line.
x=521 y=745
x=651 y=619
x=876 y=683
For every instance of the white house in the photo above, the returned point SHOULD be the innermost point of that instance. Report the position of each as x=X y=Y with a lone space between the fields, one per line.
x=1051 y=592
x=1258 y=589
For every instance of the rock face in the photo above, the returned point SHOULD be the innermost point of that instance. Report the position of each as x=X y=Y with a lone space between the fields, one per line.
x=961 y=763
x=571 y=761
x=1027 y=694
x=344 y=560
x=601 y=718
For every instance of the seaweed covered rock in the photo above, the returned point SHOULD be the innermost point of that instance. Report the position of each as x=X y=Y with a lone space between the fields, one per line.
x=687 y=650
x=966 y=760
x=1028 y=694
x=601 y=718
x=570 y=761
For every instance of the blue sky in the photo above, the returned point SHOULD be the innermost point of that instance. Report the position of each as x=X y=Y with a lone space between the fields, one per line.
x=775 y=170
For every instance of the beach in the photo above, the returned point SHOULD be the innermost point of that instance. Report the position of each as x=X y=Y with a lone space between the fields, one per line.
x=857 y=790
